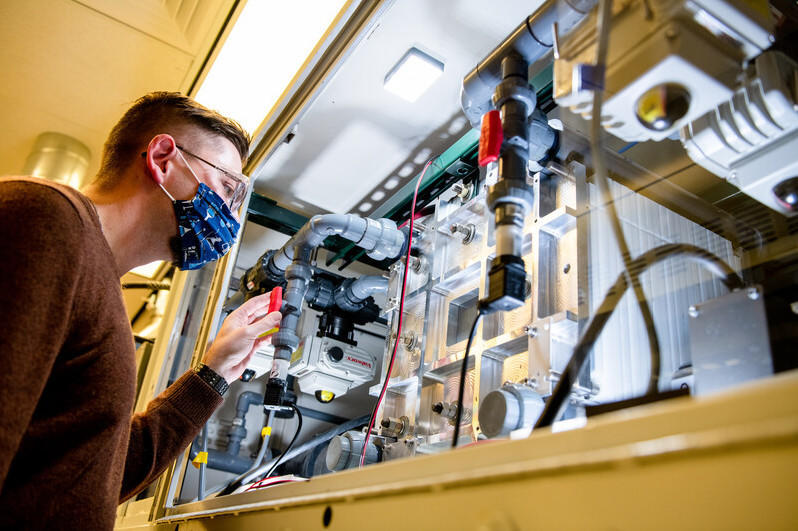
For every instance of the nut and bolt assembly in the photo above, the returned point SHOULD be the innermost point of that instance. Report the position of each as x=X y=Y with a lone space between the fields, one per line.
x=467 y=231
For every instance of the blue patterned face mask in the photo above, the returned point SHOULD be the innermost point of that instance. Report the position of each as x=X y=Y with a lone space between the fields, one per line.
x=207 y=228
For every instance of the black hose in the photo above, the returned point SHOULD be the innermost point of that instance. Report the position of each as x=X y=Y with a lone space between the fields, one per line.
x=461 y=385
x=600 y=177
x=701 y=256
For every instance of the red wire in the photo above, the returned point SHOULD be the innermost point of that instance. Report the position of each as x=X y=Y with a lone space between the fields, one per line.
x=399 y=325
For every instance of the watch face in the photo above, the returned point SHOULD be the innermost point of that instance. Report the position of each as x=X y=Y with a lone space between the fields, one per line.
x=213 y=379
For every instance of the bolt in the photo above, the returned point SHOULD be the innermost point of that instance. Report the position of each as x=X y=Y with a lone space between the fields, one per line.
x=692 y=311
x=417 y=264
x=409 y=339
x=566 y=269
x=752 y=293
x=385 y=423
x=437 y=407
x=531 y=331
x=468 y=231
x=454 y=228
x=462 y=191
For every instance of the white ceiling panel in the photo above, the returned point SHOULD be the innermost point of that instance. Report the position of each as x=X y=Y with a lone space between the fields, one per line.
x=356 y=137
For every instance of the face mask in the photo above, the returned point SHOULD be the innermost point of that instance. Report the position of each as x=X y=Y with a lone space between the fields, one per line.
x=206 y=227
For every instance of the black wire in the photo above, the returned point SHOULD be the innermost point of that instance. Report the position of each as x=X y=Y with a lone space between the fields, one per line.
x=317 y=440
x=288 y=448
x=463 y=371
x=701 y=256
x=601 y=179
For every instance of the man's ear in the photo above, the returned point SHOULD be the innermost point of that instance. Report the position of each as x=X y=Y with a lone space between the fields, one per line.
x=160 y=153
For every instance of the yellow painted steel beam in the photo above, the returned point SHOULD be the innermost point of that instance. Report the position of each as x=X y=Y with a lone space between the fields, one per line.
x=727 y=461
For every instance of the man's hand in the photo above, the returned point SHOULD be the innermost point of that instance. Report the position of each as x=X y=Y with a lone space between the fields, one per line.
x=238 y=338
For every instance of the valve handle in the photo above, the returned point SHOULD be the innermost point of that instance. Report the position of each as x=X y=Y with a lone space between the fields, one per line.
x=491 y=137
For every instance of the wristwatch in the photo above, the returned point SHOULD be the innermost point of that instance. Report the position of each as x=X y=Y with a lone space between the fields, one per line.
x=212 y=378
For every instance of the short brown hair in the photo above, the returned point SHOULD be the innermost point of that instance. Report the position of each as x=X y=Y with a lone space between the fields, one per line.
x=160 y=112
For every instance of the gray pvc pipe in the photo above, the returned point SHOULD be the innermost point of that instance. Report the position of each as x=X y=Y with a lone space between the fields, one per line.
x=530 y=40
x=368 y=285
x=238 y=432
x=304 y=447
x=203 y=466
x=379 y=237
x=219 y=460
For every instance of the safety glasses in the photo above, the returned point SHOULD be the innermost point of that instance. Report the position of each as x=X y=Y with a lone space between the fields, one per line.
x=233 y=185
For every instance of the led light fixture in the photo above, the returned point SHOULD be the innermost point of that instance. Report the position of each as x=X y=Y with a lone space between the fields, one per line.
x=413 y=75
x=267 y=46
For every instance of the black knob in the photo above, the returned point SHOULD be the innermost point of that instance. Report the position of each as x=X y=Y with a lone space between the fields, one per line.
x=336 y=353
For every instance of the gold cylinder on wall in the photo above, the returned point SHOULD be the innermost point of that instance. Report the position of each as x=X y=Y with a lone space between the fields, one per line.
x=60 y=158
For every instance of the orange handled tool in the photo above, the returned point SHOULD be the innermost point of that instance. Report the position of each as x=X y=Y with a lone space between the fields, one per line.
x=275 y=303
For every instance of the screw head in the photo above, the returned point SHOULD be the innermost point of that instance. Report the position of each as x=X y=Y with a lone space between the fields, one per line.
x=752 y=293
x=692 y=311
x=531 y=331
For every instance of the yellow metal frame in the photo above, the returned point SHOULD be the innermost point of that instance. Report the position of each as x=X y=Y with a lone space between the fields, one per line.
x=728 y=461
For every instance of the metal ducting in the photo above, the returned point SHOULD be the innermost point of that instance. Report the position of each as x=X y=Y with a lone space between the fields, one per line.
x=59 y=158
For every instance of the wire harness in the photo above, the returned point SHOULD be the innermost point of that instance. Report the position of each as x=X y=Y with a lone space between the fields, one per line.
x=704 y=258
x=399 y=324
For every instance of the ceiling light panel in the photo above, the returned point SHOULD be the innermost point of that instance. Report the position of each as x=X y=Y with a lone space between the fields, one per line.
x=268 y=44
x=415 y=72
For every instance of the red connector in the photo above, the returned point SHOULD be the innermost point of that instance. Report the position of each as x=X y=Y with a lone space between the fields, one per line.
x=275 y=303
x=275 y=300
x=490 y=138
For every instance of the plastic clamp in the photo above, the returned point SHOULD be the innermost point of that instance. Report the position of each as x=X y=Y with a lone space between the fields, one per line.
x=200 y=459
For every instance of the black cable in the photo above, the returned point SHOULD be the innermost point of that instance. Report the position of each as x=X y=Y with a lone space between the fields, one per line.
x=288 y=448
x=701 y=256
x=600 y=177
x=318 y=440
x=384 y=388
x=463 y=371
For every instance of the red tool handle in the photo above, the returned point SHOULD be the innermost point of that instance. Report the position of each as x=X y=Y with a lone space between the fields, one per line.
x=275 y=300
x=491 y=137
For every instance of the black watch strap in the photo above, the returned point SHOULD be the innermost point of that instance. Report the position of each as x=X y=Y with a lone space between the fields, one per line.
x=212 y=378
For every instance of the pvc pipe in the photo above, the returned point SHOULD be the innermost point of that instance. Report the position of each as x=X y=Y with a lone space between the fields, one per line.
x=302 y=448
x=532 y=39
x=379 y=237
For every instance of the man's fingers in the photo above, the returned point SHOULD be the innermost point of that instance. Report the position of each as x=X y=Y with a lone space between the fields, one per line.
x=265 y=324
x=254 y=306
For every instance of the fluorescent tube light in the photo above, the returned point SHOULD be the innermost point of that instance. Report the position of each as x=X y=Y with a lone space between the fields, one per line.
x=413 y=75
x=268 y=44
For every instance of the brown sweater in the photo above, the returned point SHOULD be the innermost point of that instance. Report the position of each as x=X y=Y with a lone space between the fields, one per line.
x=69 y=451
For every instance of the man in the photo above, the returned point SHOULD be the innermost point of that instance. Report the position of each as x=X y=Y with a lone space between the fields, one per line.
x=169 y=187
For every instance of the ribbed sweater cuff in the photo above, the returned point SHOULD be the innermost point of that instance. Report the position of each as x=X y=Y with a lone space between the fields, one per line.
x=193 y=397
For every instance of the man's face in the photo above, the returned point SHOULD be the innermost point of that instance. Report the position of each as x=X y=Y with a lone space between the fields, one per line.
x=216 y=163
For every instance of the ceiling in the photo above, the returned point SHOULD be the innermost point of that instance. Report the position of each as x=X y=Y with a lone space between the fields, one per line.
x=357 y=142
x=74 y=66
